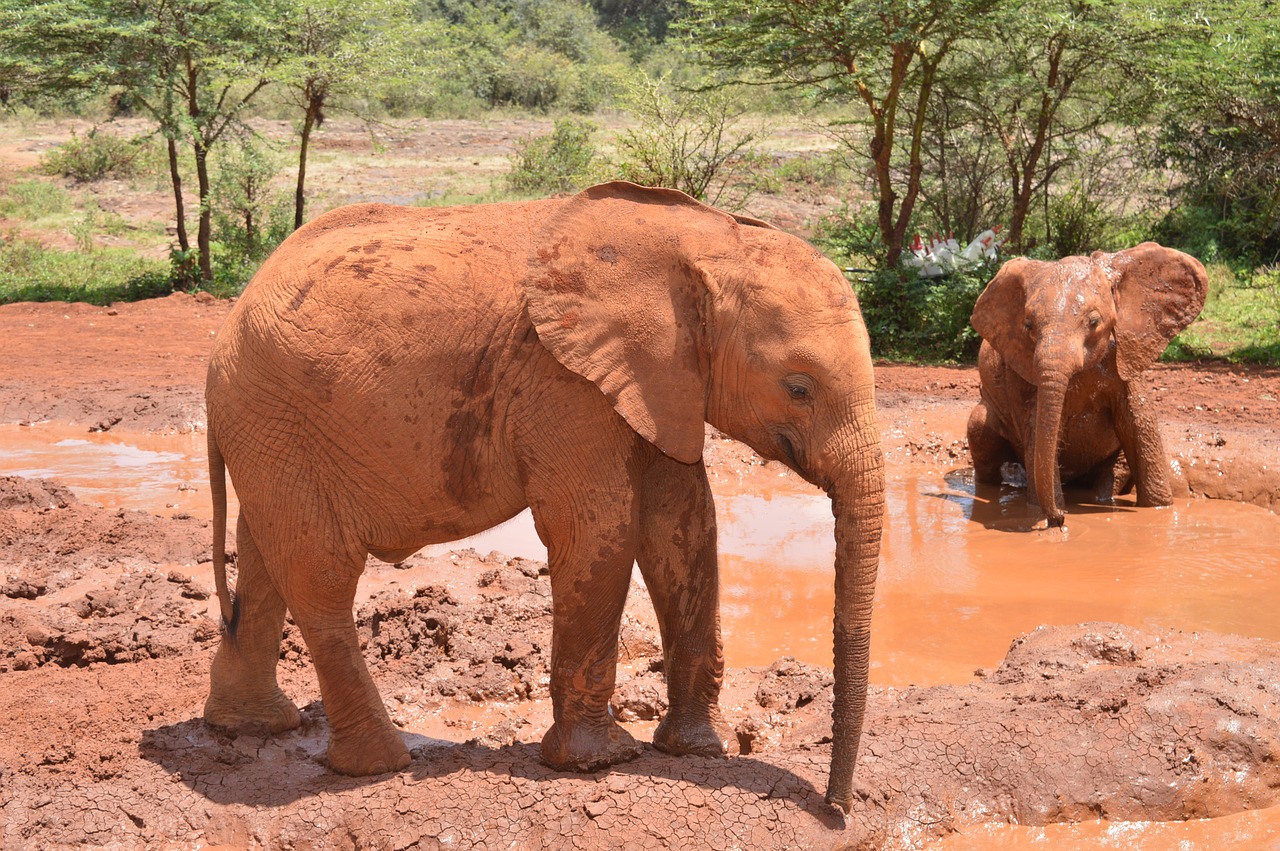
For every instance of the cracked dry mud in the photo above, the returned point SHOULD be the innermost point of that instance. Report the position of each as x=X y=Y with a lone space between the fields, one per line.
x=106 y=639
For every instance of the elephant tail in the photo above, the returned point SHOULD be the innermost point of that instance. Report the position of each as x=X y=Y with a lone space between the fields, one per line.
x=218 y=490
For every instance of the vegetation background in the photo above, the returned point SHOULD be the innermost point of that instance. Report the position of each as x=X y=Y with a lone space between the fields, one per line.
x=1078 y=126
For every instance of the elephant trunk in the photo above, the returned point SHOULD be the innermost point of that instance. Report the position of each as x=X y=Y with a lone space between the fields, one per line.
x=1050 y=395
x=857 y=501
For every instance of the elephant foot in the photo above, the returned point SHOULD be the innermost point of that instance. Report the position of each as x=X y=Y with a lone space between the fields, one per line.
x=361 y=755
x=700 y=736
x=274 y=714
x=585 y=747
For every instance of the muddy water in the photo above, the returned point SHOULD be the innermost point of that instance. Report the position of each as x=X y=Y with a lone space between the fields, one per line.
x=963 y=574
x=162 y=474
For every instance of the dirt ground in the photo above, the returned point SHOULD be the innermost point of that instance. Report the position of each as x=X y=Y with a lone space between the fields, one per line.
x=105 y=644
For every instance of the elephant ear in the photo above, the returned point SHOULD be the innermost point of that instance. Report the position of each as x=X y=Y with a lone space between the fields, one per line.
x=616 y=295
x=1000 y=313
x=1158 y=292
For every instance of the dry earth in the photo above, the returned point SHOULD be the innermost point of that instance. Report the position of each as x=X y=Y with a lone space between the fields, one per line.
x=105 y=642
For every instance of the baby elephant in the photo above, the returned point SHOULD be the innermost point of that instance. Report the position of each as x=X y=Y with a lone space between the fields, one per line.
x=1063 y=345
x=395 y=377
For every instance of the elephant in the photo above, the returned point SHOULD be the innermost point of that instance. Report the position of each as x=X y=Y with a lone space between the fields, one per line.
x=1064 y=346
x=394 y=377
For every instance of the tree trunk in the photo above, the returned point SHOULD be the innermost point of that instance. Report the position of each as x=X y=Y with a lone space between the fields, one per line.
x=203 y=234
x=309 y=121
x=175 y=178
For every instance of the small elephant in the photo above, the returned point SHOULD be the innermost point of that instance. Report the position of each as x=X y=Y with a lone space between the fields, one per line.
x=1063 y=345
x=395 y=377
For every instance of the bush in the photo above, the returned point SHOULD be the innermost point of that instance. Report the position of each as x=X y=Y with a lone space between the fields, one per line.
x=826 y=170
x=250 y=216
x=32 y=200
x=532 y=78
x=908 y=317
x=31 y=272
x=691 y=141
x=1078 y=223
x=1228 y=203
x=558 y=162
x=95 y=156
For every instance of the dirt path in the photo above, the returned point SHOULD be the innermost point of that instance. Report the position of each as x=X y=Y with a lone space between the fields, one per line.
x=105 y=642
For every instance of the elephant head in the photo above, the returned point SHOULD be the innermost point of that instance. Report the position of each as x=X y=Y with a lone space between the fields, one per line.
x=1052 y=321
x=682 y=314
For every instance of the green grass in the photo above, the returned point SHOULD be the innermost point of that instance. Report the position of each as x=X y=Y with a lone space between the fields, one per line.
x=1240 y=321
x=35 y=201
x=31 y=272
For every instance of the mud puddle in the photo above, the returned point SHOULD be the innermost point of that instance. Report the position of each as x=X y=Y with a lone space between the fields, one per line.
x=1257 y=829
x=961 y=576
x=160 y=474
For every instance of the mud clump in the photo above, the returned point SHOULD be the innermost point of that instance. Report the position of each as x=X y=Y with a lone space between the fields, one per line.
x=142 y=615
x=114 y=602
x=22 y=494
x=497 y=647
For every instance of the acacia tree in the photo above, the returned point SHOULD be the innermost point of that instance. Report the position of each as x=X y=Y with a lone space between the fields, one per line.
x=1053 y=75
x=1221 y=130
x=335 y=49
x=884 y=55
x=193 y=66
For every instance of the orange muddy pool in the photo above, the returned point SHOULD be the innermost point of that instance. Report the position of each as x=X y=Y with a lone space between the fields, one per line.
x=960 y=579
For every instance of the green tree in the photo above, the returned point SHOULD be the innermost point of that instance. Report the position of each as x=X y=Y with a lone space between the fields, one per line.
x=1051 y=76
x=193 y=66
x=884 y=55
x=334 y=49
x=1221 y=132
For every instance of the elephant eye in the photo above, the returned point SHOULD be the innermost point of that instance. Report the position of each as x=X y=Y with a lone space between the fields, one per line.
x=799 y=389
x=1094 y=320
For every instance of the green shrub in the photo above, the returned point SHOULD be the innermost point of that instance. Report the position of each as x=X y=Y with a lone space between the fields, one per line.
x=31 y=200
x=908 y=317
x=31 y=272
x=558 y=162
x=533 y=78
x=95 y=156
x=823 y=170
x=693 y=142
x=250 y=216
x=1078 y=223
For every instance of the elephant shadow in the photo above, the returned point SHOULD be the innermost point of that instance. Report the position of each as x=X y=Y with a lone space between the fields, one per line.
x=284 y=769
x=1010 y=506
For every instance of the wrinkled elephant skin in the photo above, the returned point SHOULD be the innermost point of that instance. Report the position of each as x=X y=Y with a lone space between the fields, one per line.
x=1064 y=347
x=397 y=377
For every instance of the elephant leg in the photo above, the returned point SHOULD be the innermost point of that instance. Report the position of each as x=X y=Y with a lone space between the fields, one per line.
x=590 y=537
x=677 y=557
x=243 y=690
x=1111 y=478
x=362 y=739
x=987 y=446
x=1143 y=448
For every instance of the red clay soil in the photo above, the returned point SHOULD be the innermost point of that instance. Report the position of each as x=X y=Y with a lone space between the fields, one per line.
x=105 y=644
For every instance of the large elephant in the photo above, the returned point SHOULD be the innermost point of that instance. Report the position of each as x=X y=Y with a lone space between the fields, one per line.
x=396 y=377
x=1064 y=344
